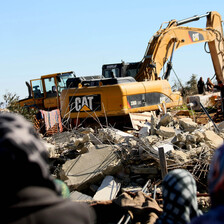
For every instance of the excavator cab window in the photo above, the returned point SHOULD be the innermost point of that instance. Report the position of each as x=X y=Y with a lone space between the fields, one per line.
x=37 y=88
x=132 y=69
x=112 y=70
x=132 y=72
x=112 y=73
x=50 y=87
x=62 y=80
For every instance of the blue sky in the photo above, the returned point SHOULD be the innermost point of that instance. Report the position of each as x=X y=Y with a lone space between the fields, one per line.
x=44 y=37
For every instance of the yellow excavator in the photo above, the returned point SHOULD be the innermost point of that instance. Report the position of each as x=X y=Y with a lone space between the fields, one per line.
x=44 y=93
x=138 y=87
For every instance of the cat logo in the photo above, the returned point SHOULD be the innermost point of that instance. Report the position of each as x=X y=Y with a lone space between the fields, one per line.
x=84 y=103
x=195 y=36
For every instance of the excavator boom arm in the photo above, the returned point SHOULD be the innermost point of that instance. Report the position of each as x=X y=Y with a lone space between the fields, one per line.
x=165 y=41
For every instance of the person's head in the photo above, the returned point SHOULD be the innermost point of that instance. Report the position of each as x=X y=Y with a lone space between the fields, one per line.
x=179 y=197
x=201 y=79
x=23 y=157
x=216 y=177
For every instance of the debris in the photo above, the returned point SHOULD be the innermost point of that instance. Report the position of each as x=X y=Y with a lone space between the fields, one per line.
x=165 y=119
x=89 y=168
x=166 y=132
x=140 y=118
x=205 y=100
x=119 y=161
x=112 y=135
x=212 y=139
x=78 y=196
x=162 y=160
x=187 y=124
x=108 y=189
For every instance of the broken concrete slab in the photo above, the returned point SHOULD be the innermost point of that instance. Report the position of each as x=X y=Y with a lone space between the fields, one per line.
x=212 y=139
x=179 y=156
x=112 y=135
x=94 y=139
x=144 y=130
x=144 y=170
x=165 y=119
x=108 y=189
x=151 y=140
x=78 y=196
x=221 y=126
x=205 y=100
x=84 y=139
x=51 y=149
x=187 y=124
x=90 y=167
x=166 y=147
x=166 y=132
x=199 y=135
x=86 y=147
x=86 y=130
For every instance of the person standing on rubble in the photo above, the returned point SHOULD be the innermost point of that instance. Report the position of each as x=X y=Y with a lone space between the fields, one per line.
x=216 y=191
x=179 y=198
x=201 y=86
x=209 y=85
x=220 y=87
x=29 y=193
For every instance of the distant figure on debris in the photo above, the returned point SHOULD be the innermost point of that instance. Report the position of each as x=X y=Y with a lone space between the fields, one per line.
x=209 y=85
x=29 y=192
x=201 y=86
x=220 y=86
x=216 y=191
x=179 y=198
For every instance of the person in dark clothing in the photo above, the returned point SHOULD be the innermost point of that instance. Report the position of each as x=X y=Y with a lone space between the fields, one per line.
x=201 y=86
x=220 y=86
x=29 y=192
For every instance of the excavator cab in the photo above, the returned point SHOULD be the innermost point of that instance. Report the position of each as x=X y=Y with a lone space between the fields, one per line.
x=44 y=93
x=120 y=70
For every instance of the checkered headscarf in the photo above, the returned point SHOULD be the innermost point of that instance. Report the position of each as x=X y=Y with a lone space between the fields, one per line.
x=179 y=198
x=23 y=157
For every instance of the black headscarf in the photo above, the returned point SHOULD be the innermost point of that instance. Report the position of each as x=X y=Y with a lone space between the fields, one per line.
x=23 y=158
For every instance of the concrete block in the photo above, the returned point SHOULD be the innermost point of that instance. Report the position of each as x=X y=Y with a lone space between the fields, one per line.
x=90 y=167
x=108 y=189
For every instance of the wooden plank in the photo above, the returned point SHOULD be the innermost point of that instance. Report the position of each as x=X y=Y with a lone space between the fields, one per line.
x=163 y=164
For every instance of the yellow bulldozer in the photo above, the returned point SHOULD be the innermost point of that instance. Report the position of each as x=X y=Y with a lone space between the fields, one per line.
x=126 y=88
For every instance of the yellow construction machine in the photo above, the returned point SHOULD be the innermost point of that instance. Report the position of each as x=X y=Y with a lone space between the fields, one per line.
x=138 y=87
x=44 y=93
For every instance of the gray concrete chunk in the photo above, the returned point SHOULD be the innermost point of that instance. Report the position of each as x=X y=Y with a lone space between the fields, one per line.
x=90 y=167
x=108 y=189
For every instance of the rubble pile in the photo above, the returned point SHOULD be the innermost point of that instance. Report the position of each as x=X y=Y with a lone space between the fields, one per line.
x=124 y=161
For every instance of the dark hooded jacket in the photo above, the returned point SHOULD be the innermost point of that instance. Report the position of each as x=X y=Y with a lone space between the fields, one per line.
x=28 y=192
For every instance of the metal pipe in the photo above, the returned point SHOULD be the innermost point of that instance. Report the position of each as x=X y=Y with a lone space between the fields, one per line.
x=191 y=19
x=216 y=128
